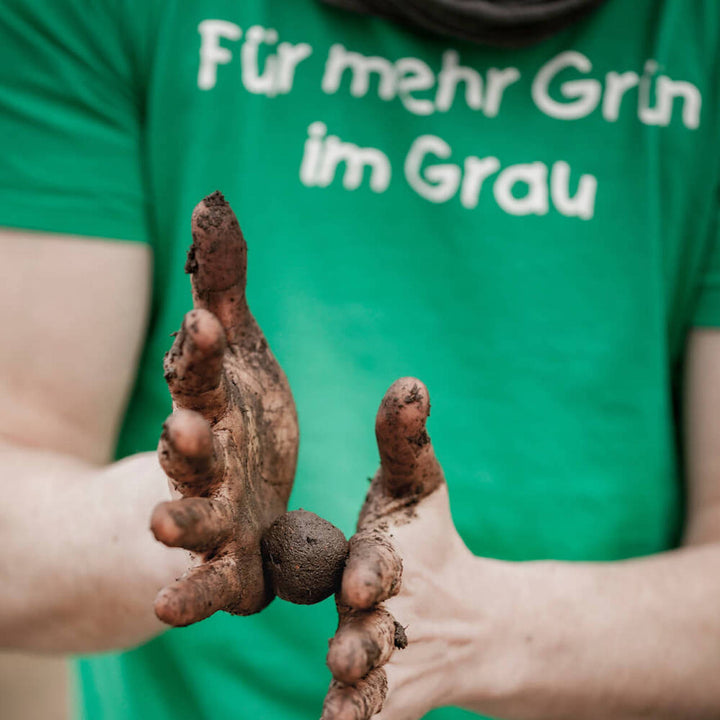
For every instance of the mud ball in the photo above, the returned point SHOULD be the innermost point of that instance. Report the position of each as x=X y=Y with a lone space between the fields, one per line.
x=304 y=557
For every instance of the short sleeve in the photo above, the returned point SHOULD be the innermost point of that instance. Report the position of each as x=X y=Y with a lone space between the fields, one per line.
x=70 y=121
x=707 y=308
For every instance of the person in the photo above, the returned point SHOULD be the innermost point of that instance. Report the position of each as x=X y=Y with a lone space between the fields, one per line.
x=531 y=231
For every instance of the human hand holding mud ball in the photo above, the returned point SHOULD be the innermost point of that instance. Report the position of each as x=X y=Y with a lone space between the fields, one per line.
x=230 y=449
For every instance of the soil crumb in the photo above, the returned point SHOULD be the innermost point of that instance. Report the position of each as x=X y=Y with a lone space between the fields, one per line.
x=401 y=641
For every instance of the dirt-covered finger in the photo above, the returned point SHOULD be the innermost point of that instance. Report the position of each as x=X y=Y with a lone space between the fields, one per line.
x=206 y=589
x=190 y=453
x=194 y=365
x=217 y=261
x=408 y=466
x=356 y=702
x=373 y=571
x=364 y=640
x=196 y=524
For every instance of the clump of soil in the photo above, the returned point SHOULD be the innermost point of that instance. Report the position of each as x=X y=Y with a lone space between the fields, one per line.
x=304 y=557
x=401 y=640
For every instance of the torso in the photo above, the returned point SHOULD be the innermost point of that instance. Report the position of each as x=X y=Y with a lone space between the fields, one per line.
x=533 y=258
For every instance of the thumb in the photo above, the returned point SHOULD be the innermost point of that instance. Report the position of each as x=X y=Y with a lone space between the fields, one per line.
x=408 y=466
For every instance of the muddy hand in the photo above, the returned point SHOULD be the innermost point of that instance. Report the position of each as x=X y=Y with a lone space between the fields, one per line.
x=367 y=633
x=230 y=446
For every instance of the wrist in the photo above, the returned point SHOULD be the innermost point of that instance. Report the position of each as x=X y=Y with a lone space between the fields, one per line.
x=469 y=621
x=489 y=659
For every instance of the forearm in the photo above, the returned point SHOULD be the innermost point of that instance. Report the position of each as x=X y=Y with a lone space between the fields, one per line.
x=79 y=566
x=626 y=640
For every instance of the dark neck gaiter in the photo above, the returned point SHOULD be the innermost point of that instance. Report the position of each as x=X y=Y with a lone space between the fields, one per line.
x=502 y=23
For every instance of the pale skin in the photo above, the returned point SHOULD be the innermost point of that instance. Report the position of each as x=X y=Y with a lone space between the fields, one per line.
x=79 y=567
x=525 y=641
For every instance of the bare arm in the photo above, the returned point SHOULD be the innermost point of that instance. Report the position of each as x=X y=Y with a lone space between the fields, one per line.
x=640 y=638
x=79 y=567
x=552 y=640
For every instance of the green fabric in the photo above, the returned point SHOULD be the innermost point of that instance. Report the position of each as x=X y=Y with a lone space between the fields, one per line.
x=551 y=343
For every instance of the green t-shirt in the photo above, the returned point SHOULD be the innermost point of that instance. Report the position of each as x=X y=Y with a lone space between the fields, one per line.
x=531 y=232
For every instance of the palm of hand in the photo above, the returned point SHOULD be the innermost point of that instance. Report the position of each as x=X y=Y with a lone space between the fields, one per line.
x=230 y=447
x=436 y=608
